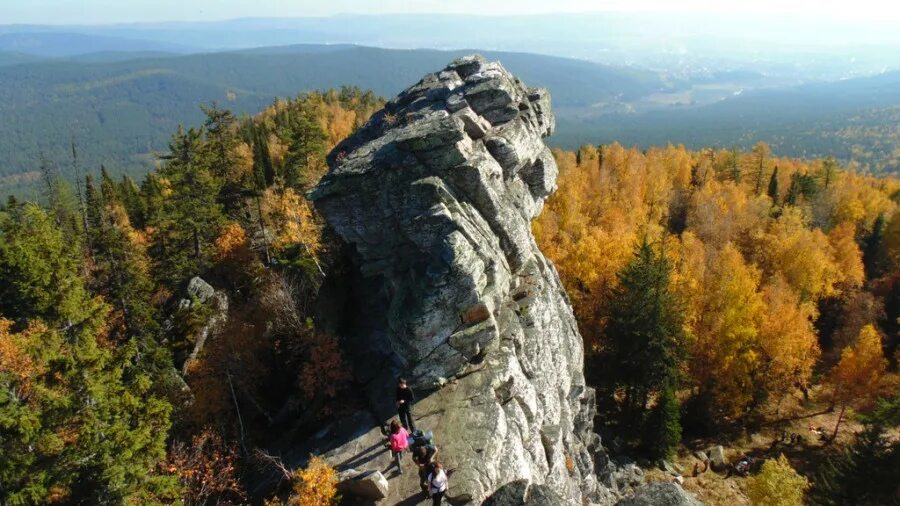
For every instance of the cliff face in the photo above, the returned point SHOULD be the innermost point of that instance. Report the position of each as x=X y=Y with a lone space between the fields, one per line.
x=436 y=195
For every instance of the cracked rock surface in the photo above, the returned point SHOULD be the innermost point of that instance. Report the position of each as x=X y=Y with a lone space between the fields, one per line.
x=435 y=195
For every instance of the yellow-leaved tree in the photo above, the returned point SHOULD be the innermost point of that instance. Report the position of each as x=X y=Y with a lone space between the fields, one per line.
x=777 y=484
x=315 y=485
x=787 y=340
x=855 y=378
x=724 y=354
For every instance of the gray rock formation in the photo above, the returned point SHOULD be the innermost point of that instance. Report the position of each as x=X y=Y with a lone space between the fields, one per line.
x=201 y=292
x=436 y=194
x=717 y=458
x=661 y=494
x=363 y=484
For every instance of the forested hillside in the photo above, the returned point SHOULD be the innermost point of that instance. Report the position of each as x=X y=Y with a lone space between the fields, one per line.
x=723 y=291
x=119 y=107
x=111 y=392
x=120 y=113
x=710 y=286
x=852 y=120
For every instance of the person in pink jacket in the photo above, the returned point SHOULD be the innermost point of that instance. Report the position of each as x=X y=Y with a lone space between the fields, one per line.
x=399 y=441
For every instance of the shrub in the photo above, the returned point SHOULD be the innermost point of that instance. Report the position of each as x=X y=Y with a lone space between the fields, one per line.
x=777 y=484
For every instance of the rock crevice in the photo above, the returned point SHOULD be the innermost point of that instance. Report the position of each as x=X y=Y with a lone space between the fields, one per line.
x=436 y=194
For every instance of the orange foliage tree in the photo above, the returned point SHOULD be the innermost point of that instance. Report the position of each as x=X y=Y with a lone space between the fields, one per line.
x=207 y=469
x=315 y=485
x=856 y=377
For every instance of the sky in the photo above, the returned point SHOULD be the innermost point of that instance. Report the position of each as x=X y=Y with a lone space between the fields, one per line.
x=119 y=11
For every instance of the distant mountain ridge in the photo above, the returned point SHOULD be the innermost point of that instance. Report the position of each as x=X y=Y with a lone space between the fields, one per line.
x=120 y=109
x=63 y=44
x=121 y=106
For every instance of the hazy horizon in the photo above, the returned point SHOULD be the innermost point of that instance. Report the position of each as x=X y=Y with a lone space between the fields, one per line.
x=100 y=12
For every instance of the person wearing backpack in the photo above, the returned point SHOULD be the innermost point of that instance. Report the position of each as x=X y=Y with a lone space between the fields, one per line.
x=399 y=441
x=405 y=398
x=437 y=483
x=423 y=456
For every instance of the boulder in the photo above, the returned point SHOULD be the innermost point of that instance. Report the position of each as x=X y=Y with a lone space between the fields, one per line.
x=363 y=484
x=661 y=494
x=717 y=458
x=701 y=456
x=201 y=290
x=434 y=197
x=671 y=467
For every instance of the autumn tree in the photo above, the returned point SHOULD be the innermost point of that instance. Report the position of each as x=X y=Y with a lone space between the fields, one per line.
x=855 y=378
x=314 y=485
x=724 y=351
x=787 y=341
x=207 y=469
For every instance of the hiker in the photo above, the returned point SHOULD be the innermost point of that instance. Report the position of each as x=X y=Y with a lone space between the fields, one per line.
x=405 y=399
x=423 y=456
x=437 y=483
x=399 y=442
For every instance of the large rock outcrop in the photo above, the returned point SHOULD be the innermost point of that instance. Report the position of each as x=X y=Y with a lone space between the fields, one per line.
x=435 y=195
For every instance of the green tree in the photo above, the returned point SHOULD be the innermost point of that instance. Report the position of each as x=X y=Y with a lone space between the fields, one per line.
x=644 y=339
x=189 y=213
x=305 y=151
x=80 y=420
x=38 y=268
x=866 y=473
x=873 y=248
x=773 y=187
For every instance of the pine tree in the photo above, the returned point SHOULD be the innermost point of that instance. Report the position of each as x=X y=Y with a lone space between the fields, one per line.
x=307 y=147
x=773 y=187
x=663 y=429
x=645 y=339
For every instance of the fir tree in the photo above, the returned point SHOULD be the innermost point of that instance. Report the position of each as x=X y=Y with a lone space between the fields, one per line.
x=645 y=340
x=773 y=187
x=80 y=419
x=872 y=249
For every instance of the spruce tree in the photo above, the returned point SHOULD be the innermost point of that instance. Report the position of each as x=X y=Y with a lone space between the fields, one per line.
x=773 y=187
x=872 y=249
x=79 y=417
x=645 y=340
x=186 y=211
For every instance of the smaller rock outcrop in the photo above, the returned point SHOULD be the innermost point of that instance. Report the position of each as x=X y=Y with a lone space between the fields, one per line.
x=363 y=484
x=717 y=458
x=661 y=494
x=201 y=292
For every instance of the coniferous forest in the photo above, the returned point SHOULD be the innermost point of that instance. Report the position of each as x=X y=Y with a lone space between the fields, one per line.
x=159 y=339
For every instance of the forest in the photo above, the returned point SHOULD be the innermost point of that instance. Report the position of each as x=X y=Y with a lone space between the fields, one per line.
x=717 y=291
x=722 y=292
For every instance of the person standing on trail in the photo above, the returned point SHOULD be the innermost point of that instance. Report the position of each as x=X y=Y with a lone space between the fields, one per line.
x=437 y=483
x=423 y=456
x=405 y=398
x=399 y=442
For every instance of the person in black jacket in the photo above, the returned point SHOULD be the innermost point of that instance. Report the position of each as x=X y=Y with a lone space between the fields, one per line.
x=405 y=399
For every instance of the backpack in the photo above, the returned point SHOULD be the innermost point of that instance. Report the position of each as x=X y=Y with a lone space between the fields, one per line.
x=419 y=438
